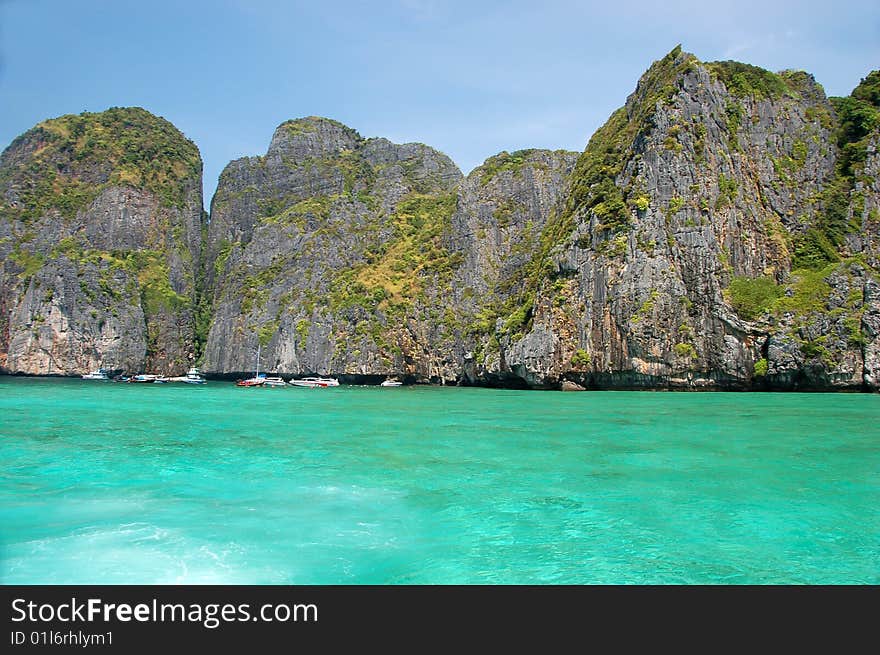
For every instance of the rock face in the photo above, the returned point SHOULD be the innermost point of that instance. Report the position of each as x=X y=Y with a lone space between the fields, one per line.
x=329 y=253
x=100 y=233
x=711 y=235
x=721 y=230
x=701 y=245
x=503 y=211
x=357 y=257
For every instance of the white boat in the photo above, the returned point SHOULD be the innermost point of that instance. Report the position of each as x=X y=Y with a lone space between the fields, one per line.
x=274 y=382
x=100 y=374
x=391 y=383
x=194 y=377
x=315 y=383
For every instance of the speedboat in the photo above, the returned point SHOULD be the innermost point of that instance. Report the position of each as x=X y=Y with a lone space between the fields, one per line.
x=315 y=383
x=100 y=374
x=391 y=383
x=274 y=382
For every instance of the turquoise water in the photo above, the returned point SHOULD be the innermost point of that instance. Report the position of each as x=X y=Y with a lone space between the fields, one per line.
x=116 y=483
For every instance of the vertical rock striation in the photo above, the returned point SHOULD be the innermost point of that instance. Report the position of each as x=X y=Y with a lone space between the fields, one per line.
x=100 y=232
x=721 y=230
x=361 y=257
x=328 y=251
x=699 y=246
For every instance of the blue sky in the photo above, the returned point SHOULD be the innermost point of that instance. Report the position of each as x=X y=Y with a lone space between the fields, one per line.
x=468 y=78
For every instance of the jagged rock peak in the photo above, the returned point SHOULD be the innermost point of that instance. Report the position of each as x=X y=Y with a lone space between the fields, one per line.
x=660 y=78
x=302 y=141
x=665 y=77
x=312 y=137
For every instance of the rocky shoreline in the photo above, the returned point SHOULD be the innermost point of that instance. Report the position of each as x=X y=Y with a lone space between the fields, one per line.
x=613 y=383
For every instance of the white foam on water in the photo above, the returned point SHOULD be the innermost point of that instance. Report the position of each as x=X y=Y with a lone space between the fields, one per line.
x=131 y=553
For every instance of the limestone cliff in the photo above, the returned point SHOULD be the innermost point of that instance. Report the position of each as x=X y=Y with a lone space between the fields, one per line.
x=718 y=231
x=713 y=237
x=100 y=232
x=328 y=251
x=351 y=256
x=721 y=230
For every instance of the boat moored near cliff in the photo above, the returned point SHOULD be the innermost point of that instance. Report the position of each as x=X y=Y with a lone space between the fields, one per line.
x=193 y=376
x=99 y=374
x=315 y=382
x=146 y=378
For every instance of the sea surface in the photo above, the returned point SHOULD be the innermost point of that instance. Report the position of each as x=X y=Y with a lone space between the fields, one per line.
x=119 y=483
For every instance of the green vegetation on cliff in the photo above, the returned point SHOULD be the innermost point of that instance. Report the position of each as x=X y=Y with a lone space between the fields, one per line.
x=751 y=297
x=594 y=190
x=859 y=115
x=858 y=123
x=71 y=159
x=806 y=292
x=745 y=80
x=392 y=277
x=148 y=267
x=152 y=273
x=504 y=161
x=311 y=125
x=594 y=186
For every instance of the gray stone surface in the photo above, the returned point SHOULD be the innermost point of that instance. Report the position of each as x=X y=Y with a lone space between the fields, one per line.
x=82 y=304
x=363 y=258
